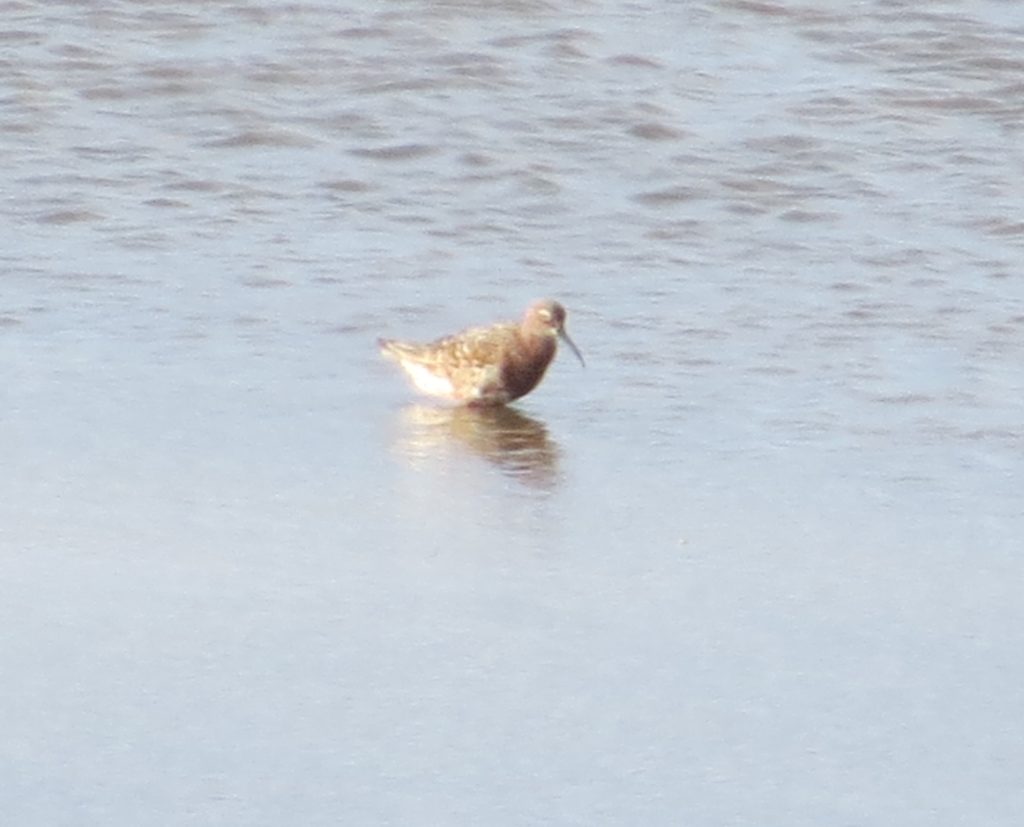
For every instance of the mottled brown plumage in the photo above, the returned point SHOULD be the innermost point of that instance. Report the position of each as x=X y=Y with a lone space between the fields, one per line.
x=486 y=365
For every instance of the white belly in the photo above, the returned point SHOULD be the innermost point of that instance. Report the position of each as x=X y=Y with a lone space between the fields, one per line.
x=429 y=382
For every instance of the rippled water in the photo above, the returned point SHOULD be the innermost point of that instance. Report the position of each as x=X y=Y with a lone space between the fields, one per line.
x=758 y=562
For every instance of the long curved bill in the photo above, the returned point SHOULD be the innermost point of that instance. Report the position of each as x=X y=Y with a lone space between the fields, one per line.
x=565 y=338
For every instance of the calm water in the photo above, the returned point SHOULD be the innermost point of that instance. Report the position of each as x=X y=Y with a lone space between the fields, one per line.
x=759 y=563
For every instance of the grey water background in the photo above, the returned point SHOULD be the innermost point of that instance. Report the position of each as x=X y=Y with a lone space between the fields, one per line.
x=759 y=563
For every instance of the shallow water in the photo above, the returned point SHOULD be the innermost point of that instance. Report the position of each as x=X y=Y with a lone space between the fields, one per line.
x=758 y=563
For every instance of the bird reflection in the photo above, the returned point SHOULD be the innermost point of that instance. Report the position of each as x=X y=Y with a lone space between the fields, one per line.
x=517 y=444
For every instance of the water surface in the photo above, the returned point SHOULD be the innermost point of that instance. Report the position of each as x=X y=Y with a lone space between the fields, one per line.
x=758 y=563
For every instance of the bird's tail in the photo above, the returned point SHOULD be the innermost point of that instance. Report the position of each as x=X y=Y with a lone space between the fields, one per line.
x=391 y=349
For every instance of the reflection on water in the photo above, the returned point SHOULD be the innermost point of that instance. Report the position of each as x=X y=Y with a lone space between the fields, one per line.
x=516 y=443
